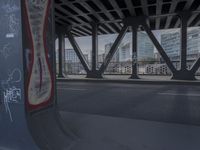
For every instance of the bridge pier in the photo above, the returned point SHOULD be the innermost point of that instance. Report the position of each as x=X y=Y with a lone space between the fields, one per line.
x=94 y=74
x=134 y=74
x=183 y=75
x=61 y=48
x=28 y=112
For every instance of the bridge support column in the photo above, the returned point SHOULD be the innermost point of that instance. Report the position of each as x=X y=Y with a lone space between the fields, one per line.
x=94 y=73
x=134 y=74
x=61 y=48
x=184 y=73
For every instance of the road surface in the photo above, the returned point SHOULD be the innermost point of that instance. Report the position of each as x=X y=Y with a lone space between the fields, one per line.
x=161 y=103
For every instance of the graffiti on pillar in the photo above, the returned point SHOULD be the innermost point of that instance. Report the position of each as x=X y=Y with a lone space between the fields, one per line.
x=10 y=6
x=40 y=78
x=11 y=91
x=134 y=58
x=12 y=20
x=11 y=76
x=13 y=24
x=11 y=95
x=6 y=50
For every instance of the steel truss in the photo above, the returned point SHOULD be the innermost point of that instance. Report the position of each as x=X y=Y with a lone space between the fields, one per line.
x=134 y=23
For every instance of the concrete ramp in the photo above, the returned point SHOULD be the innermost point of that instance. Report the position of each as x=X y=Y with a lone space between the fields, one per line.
x=49 y=132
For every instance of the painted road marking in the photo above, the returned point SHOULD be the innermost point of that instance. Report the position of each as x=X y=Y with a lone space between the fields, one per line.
x=179 y=94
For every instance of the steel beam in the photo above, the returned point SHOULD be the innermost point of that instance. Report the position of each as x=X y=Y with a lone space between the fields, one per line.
x=158 y=11
x=184 y=19
x=78 y=51
x=172 y=10
x=61 y=48
x=116 y=8
x=105 y=11
x=130 y=7
x=187 y=7
x=94 y=46
x=177 y=74
x=134 y=74
x=93 y=73
x=193 y=17
x=64 y=64
x=184 y=73
x=159 y=48
x=195 y=66
x=113 y=50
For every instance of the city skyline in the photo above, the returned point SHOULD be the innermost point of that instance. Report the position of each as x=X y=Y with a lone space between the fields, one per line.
x=144 y=48
x=103 y=40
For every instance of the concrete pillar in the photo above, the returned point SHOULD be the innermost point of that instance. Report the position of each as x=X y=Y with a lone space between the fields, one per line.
x=93 y=73
x=61 y=48
x=134 y=74
x=184 y=73
x=184 y=18
x=94 y=46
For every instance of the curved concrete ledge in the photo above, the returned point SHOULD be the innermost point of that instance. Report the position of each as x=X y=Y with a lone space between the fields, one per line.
x=49 y=131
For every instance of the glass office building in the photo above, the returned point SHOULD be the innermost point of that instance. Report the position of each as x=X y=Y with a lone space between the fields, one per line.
x=171 y=42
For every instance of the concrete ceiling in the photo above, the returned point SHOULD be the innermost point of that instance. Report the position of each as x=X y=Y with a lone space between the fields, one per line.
x=109 y=14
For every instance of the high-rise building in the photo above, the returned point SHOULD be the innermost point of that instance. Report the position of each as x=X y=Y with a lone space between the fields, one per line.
x=116 y=55
x=145 y=47
x=171 y=42
x=101 y=58
x=71 y=57
x=125 y=52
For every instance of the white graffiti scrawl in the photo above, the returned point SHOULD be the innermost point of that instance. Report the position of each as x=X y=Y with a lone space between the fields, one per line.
x=11 y=19
x=11 y=92
x=9 y=6
x=11 y=95
x=6 y=51
x=13 y=24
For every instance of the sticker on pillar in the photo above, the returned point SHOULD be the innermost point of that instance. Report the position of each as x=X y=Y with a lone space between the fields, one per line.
x=40 y=78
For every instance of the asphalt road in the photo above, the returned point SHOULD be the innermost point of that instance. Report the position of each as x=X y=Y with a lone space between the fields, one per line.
x=163 y=103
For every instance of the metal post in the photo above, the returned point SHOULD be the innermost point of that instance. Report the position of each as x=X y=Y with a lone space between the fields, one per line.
x=61 y=48
x=184 y=18
x=94 y=46
x=196 y=66
x=134 y=54
x=94 y=73
x=64 y=63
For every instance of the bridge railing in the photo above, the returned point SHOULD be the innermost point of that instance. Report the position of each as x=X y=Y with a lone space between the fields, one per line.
x=125 y=68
